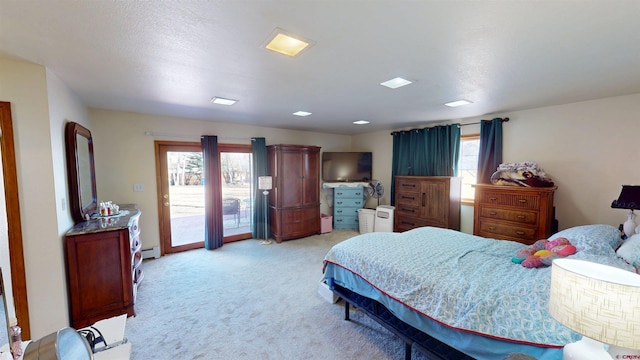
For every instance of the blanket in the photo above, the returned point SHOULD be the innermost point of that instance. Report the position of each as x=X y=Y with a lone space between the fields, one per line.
x=521 y=174
x=468 y=282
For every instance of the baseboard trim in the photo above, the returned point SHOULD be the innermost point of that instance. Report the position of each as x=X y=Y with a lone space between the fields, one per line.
x=154 y=252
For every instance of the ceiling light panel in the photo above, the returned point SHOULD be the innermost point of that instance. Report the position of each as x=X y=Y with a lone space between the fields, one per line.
x=396 y=83
x=458 y=103
x=223 y=101
x=287 y=43
x=361 y=122
x=301 y=113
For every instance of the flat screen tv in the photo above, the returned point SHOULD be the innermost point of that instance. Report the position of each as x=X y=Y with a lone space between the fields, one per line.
x=346 y=166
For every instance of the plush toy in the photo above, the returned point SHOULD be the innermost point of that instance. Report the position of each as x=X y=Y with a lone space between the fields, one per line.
x=542 y=252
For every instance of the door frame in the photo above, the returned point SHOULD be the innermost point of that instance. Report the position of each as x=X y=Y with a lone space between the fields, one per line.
x=164 y=213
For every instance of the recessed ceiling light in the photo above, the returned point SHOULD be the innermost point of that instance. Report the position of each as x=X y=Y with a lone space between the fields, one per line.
x=223 y=101
x=287 y=43
x=301 y=113
x=361 y=122
x=396 y=83
x=458 y=103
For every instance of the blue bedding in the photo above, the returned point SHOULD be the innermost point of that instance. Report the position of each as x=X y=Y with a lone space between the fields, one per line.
x=467 y=283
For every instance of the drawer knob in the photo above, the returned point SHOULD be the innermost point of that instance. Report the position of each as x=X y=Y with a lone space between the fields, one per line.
x=408 y=197
x=493 y=213
x=522 y=201
x=492 y=227
x=521 y=216
x=520 y=232
x=493 y=198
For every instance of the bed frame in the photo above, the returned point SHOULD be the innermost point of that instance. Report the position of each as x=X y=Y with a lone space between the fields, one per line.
x=434 y=349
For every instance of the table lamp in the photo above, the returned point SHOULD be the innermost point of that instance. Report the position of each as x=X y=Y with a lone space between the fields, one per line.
x=600 y=302
x=629 y=199
x=265 y=183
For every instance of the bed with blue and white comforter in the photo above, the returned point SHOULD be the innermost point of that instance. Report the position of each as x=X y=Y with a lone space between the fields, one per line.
x=464 y=290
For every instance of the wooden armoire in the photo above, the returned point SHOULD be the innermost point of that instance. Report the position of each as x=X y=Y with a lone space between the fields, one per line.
x=294 y=201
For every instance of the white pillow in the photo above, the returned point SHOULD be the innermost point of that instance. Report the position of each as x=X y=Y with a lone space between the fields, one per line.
x=630 y=250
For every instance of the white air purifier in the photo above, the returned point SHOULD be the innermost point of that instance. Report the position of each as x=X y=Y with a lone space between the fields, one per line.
x=384 y=218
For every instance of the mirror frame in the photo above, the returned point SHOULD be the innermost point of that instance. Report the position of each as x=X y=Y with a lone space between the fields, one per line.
x=77 y=180
x=12 y=203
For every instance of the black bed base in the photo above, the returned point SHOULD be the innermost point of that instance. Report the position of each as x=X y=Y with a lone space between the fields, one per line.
x=432 y=348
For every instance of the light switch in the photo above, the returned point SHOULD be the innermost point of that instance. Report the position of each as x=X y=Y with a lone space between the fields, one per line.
x=138 y=187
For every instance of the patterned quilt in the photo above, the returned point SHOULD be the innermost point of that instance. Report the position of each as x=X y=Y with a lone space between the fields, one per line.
x=469 y=282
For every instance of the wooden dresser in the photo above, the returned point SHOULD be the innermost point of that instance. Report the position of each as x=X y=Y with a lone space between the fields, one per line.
x=294 y=202
x=104 y=258
x=427 y=201
x=523 y=214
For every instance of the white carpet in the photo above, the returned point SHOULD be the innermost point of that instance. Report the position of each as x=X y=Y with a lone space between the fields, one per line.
x=250 y=301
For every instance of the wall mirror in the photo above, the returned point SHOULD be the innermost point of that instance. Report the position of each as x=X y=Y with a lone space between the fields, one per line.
x=83 y=200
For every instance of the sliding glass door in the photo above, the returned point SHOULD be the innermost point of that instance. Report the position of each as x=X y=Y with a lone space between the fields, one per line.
x=181 y=193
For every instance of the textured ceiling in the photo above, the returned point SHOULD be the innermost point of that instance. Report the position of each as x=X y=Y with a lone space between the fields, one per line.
x=171 y=58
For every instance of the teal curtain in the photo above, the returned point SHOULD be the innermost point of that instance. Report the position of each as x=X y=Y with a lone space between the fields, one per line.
x=259 y=215
x=213 y=238
x=425 y=152
x=490 y=149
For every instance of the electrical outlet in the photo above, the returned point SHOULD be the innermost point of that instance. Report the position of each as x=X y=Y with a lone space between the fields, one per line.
x=138 y=187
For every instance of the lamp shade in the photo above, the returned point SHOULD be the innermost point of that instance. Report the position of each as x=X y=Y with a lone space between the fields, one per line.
x=629 y=198
x=264 y=183
x=598 y=301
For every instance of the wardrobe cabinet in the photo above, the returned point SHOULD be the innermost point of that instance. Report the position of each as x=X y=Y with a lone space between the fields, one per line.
x=103 y=258
x=294 y=201
x=523 y=214
x=427 y=201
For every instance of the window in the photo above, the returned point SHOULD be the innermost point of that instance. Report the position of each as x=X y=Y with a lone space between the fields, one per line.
x=468 y=168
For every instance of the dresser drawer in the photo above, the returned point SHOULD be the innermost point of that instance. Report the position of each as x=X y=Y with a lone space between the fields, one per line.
x=355 y=192
x=407 y=209
x=523 y=217
x=525 y=201
x=298 y=215
x=404 y=223
x=408 y=185
x=347 y=202
x=134 y=229
x=345 y=222
x=346 y=212
x=409 y=198
x=504 y=231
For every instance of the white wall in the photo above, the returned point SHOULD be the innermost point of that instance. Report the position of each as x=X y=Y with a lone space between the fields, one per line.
x=124 y=155
x=64 y=106
x=41 y=186
x=587 y=148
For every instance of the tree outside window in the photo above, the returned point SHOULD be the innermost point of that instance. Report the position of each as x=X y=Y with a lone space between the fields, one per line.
x=468 y=169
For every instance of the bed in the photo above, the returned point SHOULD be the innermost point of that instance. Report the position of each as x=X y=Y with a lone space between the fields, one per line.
x=459 y=296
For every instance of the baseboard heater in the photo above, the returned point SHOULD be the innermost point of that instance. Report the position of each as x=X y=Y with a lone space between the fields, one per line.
x=154 y=252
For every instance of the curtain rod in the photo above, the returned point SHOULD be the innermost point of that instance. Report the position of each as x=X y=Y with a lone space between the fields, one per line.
x=459 y=125
x=476 y=123
x=186 y=136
